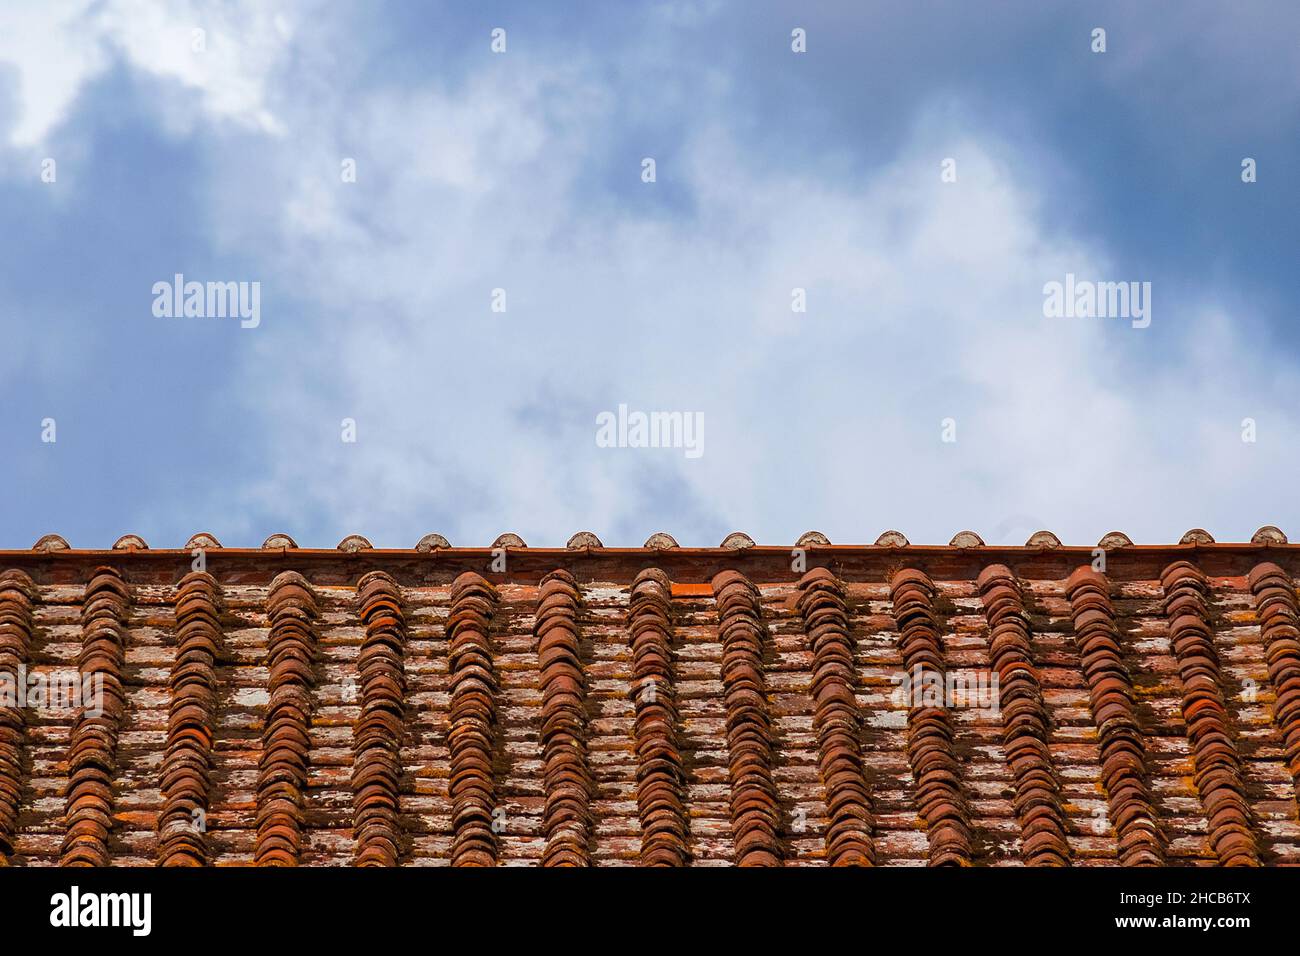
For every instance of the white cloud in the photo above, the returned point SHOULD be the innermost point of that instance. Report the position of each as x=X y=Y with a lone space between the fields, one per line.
x=925 y=302
x=56 y=48
x=53 y=49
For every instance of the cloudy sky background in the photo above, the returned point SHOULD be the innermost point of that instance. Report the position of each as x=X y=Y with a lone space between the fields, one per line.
x=522 y=171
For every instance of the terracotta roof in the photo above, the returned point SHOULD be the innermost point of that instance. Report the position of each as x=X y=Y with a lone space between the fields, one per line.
x=746 y=704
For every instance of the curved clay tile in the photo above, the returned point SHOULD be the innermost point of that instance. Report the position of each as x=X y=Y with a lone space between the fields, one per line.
x=1279 y=617
x=1218 y=765
x=755 y=810
x=202 y=540
x=966 y=539
x=473 y=720
x=1115 y=539
x=583 y=539
x=51 y=542
x=130 y=542
x=566 y=816
x=377 y=732
x=92 y=755
x=186 y=773
x=1114 y=712
x=1218 y=776
x=282 y=768
x=737 y=541
x=1197 y=536
x=432 y=542
x=892 y=539
x=278 y=541
x=660 y=778
x=836 y=720
x=1269 y=534
x=354 y=543
x=18 y=599
x=509 y=540
x=1025 y=724
x=1043 y=539
x=660 y=541
x=811 y=538
x=931 y=750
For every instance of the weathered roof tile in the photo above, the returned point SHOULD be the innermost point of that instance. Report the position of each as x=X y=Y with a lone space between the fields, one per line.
x=1269 y=534
x=635 y=673
x=51 y=542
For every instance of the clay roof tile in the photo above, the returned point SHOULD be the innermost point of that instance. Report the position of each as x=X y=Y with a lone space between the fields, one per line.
x=811 y=538
x=1050 y=619
x=994 y=572
x=1115 y=539
x=432 y=542
x=1269 y=534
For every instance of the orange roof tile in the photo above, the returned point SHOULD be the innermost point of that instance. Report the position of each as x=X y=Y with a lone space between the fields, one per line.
x=745 y=704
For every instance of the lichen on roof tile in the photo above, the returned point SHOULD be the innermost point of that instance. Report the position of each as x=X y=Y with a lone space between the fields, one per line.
x=1115 y=539
x=338 y=682
x=810 y=538
x=1269 y=534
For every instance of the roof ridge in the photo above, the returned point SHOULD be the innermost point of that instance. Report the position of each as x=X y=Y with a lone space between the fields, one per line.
x=1267 y=536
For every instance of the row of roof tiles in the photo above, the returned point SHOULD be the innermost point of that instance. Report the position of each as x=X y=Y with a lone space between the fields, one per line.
x=737 y=540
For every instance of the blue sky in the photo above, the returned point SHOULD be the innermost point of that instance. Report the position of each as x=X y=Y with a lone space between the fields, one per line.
x=522 y=171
